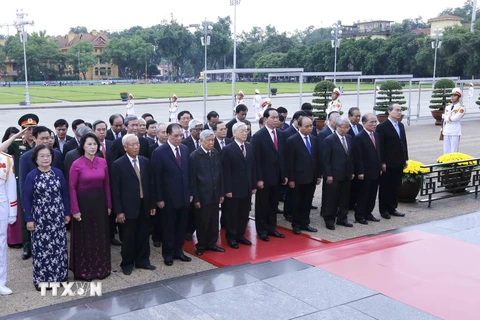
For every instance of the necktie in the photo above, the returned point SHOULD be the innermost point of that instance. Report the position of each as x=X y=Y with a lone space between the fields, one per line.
x=344 y=144
x=397 y=128
x=309 y=146
x=275 y=141
x=243 y=150
x=178 y=157
x=209 y=154
x=186 y=133
x=355 y=129
x=222 y=143
x=373 y=139
x=197 y=144
x=104 y=151
x=137 y=172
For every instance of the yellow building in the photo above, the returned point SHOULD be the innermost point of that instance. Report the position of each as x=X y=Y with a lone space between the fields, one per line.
x=103 y=69
x=376 y=29
x=443 y=22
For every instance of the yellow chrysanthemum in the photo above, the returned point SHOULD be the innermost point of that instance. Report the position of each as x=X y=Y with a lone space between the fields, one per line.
x=455 y=156
x=414 y=167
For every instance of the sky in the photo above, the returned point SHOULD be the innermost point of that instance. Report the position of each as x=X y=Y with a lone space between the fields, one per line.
x=57 y=16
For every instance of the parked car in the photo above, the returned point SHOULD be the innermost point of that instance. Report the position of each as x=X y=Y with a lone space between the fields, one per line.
x=50 y=84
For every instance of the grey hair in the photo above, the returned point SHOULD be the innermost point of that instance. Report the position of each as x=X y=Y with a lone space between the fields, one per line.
x=128 y=119
x=205 y=134
x=193 y=123
x=366 y=116
x=142 y=120
x=341 y=120
x=237 y=125
x=126 y=137
x=83 y=130
x=159 y=125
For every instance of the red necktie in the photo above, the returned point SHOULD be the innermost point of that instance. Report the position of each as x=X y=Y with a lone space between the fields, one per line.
x=243 y=150
x=104 y=151
x=373 y=139
x=178 y=157
x=275 y=141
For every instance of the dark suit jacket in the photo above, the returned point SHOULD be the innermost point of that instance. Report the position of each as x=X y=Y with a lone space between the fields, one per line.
x=290 y=131
x=285 y=126
x=110 y=135
x=207 y=176
x=117 y=149
x=336 y=162
x=325 y=132
x=151 y=148
x=190 y=143
x=150 y=140
x=269 y=163
x=314 y=130
x=229 y=126
x=108 y=149
x=359 y=128
x=366 y=156
x=26 y=165
x=206 y=127
x=56 y=144
x=126 y=187
x=69 y=146
x=172 y=183
x=302 y=166
x=217 y=145
x=239 y=175
x=393 y=149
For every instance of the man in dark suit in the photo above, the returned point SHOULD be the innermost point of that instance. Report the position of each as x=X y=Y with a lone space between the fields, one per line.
x=282 y=111
x=184 y=117
x=73 y=143
x=366 y=157
x=307 y=107
x=131 y=123
x=394 y=157
x=240 y=115
x=269 y=146
x=193 y=139
x=134 y=203
x=212 y=118
x=337 y=173
x=116 y=127
x=173 y=192
x=303 y=176
x=239 y=176
x=150 y=135
x=61 y=137
x=208 y=192
x=220 y=131
x=161 y=132
x=355 y=128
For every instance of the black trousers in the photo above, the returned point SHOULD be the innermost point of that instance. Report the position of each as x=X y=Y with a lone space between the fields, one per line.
x=156 y=224
x=366 y=196
x=237 y=211
x=191 y=220
x=390 y=182
x=304 y=196
x=206 y=220
x=134 y=236
x=174 y=225
x=266 y=206
x=112 y=223
x=337 y=196
x=290 y=202
x=354 y=189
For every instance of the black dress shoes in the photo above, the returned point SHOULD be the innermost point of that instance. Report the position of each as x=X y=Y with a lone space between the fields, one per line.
x=168 y=262
x=115 y=242
x=397 y=214
x=296 y=231
x=183 y=258
x=330 y=225
x=233 y=244
x=313 y=208
x=372 y=218
x=264 y=237
x=276 y=234
x=345 y=224
x=26 y=255
x=288 y=218
x=157 y=244
x=216 y=248
x=309 y=229
x=147 y=267
x=385 y=215
x=362 y=221
x=198 y=252
x=245 y=242
x=127 y=270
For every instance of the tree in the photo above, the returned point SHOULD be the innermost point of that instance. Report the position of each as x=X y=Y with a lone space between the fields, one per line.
x=81 y=57
x=322 y=93
x=441 y=94
x=78 y=30
x=3 y=57
x=390 y=93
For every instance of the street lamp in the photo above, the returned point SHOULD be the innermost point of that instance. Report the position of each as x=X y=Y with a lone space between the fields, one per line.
x=336 y=33
x=234 y=3
x=436 y=44
x=206 y=29
x=20 y=24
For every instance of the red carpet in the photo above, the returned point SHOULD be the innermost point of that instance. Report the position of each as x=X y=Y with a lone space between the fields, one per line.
x=275 y=249
x=433 y=273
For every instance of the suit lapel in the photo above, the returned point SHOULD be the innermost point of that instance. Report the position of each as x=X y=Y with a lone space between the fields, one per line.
x=267 y=131
x=172 y=155
x=129 y=164
x=238 y=151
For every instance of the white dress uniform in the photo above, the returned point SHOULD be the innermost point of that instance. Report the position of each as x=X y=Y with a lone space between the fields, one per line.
x=452 y=129
x=334 y=105
x=130 y=108
x=471 y=99
x=257 y=105
x=8 y=213
x=172 y=111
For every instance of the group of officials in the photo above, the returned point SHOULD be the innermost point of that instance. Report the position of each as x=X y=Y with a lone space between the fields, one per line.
x=172 y=183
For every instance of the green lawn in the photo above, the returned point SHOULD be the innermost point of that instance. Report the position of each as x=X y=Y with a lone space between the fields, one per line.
x=144 y=91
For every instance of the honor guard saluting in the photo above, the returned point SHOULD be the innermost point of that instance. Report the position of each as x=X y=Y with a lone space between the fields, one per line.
x=240 y=97
x=257 y=104
x=471 y=93
x=264 y=105
x=172 y=111
x=452 y=129
x=335 y=104
x=16 y=149
x=8 y=213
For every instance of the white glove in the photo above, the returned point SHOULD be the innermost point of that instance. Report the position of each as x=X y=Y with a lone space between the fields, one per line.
x=11 y=220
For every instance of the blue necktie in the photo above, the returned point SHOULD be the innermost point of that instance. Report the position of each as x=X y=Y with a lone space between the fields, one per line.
x=355 y=130
x=309 y=146
x=397 y=128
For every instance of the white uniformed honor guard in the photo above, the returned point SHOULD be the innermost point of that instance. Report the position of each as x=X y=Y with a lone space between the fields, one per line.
x=335 y=104
x=257 y=103
x=452 y=129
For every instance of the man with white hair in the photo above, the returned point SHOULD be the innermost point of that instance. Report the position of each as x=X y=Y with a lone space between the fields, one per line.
x=193 y=140
x=131 y=124
x=207 y=192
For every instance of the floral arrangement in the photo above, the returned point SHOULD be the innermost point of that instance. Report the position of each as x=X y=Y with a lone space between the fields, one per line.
x=413 y=172
x=455 y=156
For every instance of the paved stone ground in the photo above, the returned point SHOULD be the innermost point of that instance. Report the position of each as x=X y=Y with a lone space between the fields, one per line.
x=423 y=146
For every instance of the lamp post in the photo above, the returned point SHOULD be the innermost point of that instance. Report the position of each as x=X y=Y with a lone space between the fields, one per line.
x=234 y=3
x=20 y=24
x=206 y=29
x=436 y=44
x=336 y=33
